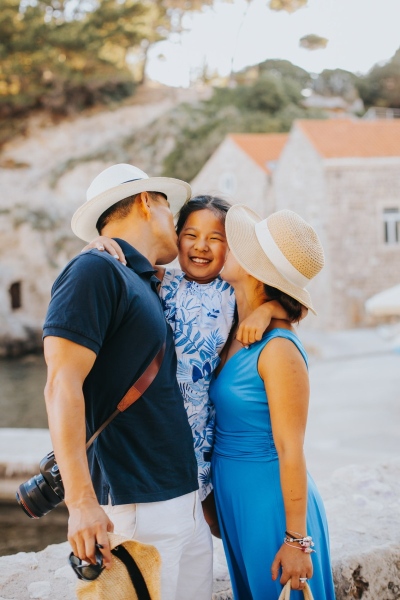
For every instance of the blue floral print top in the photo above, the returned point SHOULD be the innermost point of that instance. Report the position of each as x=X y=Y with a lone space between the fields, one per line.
x=201 y=317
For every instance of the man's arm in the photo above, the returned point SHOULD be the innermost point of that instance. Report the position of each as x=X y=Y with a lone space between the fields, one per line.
x=68 y=365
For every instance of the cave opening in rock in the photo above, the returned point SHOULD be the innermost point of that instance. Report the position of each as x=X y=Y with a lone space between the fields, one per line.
x=15 y=295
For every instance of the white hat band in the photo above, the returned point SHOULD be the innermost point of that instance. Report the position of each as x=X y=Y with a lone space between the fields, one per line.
x=276 y=256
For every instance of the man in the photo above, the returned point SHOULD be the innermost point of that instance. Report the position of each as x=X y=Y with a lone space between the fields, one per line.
x=104 y=326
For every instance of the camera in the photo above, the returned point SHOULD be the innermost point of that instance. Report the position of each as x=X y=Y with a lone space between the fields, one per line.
x=43 y=492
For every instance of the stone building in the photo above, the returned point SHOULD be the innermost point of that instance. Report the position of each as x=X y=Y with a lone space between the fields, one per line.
x=343 y=176
x=241 y=170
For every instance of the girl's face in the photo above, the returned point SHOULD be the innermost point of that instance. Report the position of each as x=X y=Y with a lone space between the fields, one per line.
x=202 y=246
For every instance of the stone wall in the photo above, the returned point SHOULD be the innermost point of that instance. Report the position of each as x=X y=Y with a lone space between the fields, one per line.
x=344 y=200
x=363 y=508
x=299 y=185
x=250 y=183
x=362 y=264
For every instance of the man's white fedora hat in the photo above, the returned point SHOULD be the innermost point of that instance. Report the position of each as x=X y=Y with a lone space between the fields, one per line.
x=282 y=251
x=117 y=183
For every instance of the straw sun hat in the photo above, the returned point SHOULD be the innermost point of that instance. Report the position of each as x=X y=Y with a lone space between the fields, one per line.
x=282 y=251
x=116 y=583
x=117 y=183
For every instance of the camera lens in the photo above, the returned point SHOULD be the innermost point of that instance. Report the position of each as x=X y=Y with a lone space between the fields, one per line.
x=36 y=497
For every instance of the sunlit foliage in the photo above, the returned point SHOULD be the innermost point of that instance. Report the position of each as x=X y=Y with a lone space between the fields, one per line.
x=313 y=42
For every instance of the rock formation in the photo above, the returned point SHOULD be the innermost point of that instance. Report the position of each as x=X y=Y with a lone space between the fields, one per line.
x=44 y=177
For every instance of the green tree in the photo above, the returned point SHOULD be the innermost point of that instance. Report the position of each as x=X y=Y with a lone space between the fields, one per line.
x=269 y=93
x=286 y=70
x=337 y=82
x=65 y=54
x=381 y=86
x=270 y=103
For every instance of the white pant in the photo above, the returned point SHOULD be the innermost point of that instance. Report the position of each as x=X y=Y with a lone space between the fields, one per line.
x=179 y=532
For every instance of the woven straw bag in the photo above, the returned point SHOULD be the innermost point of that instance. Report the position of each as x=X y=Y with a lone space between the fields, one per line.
x=285 y=593
x=115 y=583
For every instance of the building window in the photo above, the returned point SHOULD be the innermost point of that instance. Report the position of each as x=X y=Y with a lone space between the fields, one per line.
x=227 y=183
x=15 y=295
x=391 y=223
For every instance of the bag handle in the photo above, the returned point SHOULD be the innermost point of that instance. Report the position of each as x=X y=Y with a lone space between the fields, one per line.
x=138 y=581
x=135 y=391
x=285 y=593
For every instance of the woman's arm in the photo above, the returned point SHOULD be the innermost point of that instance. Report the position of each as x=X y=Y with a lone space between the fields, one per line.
x=285 y=377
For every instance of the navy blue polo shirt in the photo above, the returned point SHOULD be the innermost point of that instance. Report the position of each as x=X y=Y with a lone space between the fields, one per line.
x=146 y=453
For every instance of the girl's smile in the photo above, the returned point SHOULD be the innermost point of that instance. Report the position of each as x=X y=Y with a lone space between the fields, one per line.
x=202 y=246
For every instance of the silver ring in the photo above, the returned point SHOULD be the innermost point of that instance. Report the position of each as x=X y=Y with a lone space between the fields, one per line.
x=303 y=579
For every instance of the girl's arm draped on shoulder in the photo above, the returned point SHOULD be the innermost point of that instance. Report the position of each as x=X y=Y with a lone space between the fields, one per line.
x=104 y=243
x=285 y=376
x=253 y=327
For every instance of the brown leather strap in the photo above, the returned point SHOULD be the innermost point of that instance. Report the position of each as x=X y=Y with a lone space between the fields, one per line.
x=100 y=429
x=141 y=385
x=134 y=392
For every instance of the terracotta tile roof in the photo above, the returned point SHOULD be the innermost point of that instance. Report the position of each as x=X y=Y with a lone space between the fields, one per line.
x=346 y=138
x=263 y=148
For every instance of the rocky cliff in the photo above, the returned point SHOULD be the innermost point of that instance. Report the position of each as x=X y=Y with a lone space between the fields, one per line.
x=44 y=176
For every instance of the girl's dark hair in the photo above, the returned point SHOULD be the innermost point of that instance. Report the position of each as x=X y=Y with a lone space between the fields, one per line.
x=293 y=307
x=218 y=206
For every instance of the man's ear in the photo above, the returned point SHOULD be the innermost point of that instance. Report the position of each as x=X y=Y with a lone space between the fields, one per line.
x=144 y=200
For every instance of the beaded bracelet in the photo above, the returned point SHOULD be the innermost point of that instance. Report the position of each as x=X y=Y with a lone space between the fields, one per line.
x=305 y=542
x=293 y=533
x=306 y=550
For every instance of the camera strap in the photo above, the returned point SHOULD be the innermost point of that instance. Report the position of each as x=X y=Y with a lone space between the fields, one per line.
x=134 y=392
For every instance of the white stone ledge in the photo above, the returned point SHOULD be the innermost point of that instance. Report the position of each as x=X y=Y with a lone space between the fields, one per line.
x=21 y=450
x=363 y=506
x=373 y=574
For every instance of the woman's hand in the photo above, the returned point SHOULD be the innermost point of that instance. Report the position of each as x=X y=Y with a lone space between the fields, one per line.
x=109 y=245
x=294 y=563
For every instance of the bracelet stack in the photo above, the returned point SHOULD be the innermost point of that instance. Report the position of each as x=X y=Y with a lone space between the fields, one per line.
x=305 y=543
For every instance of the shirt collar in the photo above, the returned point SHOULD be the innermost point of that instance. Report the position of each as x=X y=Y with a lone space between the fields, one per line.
x=136 y=261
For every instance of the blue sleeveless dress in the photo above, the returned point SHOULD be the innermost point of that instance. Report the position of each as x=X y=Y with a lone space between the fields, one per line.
x=245 y=474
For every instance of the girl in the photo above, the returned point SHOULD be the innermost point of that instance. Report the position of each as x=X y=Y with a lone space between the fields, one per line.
x=200 y=308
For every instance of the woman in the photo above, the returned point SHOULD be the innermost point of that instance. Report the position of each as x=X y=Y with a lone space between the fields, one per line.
x=268 y=507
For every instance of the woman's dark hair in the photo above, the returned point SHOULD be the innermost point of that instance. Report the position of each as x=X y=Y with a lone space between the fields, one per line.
x=218 y=206
x=292 y=307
